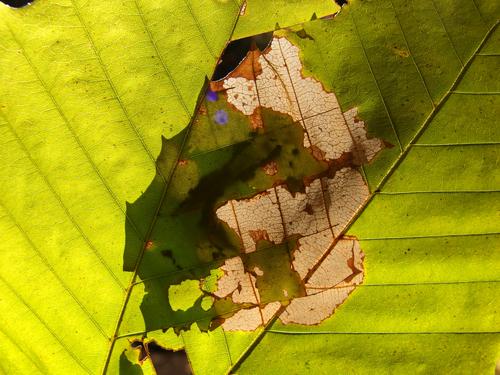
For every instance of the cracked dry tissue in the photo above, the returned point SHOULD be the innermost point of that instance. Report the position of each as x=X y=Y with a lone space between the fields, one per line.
x=318 y=216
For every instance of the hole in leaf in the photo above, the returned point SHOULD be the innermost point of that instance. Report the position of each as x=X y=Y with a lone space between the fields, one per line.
x=165 y=361
x=236 y=51
x=16 y=3
x=169 y=362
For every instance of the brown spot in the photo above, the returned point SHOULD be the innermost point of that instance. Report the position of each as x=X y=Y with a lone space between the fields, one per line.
x=318 y=153
x=270 y=168
x=182 y=162
x=149 y=245
x=401 y=52
x=309 y=209
x=256 y=119
x=202 y=110
x=259 y=235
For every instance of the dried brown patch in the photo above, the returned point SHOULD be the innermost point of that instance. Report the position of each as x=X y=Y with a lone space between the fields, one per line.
x=259 y=235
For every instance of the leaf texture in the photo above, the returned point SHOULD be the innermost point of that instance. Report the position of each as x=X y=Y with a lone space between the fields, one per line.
x=94 y=87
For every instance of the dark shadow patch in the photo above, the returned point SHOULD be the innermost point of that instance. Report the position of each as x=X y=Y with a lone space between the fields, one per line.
x=127 y=367
x=303 y=34
x=236 y=51
x=16 y=3
x=341 y=2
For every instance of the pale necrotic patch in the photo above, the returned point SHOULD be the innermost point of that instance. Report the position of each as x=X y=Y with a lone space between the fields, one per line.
x=236 y=283
x=305 y=213
x=317 y=216
x=328 y=265
x=315 y=308
x=347 y=191
x=254 y=219
x=280 y=86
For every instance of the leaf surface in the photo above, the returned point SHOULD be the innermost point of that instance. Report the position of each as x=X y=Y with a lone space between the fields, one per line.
x=95 y=86
x=87 y=90
x=401 y=110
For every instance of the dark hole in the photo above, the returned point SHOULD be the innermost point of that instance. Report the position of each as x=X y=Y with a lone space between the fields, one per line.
x=16 y=3
x=236 y=51
x=139 y=345
x=341 y=2
x=169 y=362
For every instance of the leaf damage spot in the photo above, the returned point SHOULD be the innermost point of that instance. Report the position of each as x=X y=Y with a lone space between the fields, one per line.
x=237 y=50
x=259 y=235
x=264 y=205
x=281 y=87
x=243 y=8
x=319 y=213
x=165 y=361
x=17 y=3
x=270 y=168
x=401 y=52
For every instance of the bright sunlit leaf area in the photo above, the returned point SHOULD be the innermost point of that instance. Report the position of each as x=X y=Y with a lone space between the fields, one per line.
x=249 y=187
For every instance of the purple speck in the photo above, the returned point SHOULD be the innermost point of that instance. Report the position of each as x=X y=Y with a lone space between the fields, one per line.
x=221 y=117
x=212 y=96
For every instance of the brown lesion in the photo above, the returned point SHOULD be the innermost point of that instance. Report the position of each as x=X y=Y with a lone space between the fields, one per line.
x=248 y=68
x=259 y=235
x=270 y=168
x=318 y=153
x=401 y=52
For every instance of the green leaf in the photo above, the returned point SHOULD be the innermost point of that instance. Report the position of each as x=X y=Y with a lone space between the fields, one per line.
x=87 y=90
x=259 y=16
x=81 y=118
